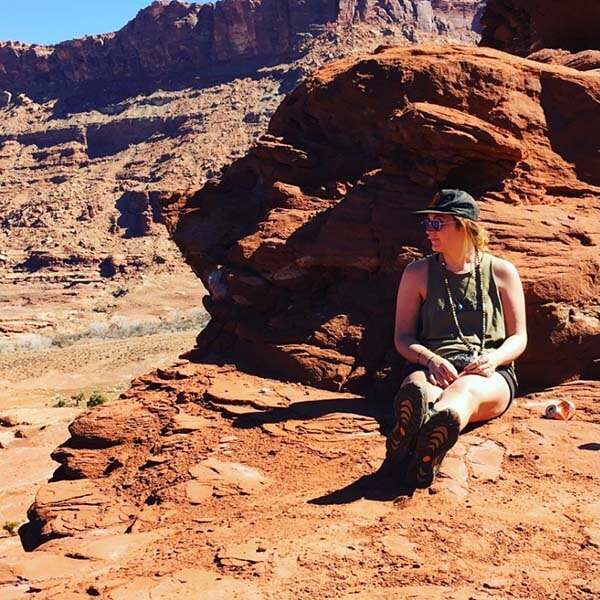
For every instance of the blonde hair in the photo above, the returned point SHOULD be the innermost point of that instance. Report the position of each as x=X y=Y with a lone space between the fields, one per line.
x=477 y=235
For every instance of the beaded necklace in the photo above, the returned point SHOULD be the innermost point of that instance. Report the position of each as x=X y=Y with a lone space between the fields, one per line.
x=474 y=351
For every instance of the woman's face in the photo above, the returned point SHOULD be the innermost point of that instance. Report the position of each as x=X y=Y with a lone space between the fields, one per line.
x=449 y=237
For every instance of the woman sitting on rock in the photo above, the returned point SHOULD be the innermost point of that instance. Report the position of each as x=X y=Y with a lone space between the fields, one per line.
x=460 y=324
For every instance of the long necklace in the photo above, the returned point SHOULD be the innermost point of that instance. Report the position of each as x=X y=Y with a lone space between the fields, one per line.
x=479 y=300
x=460 y=304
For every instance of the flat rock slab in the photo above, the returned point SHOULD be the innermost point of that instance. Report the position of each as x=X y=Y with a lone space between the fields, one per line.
x=249 y=393
x=184 y=423
x=241 y=555
x=189 y=584
x=398 y=545
x=40 y=566
x=108 y=547
x=485 y=460
x=213 y=477
x=333 y=427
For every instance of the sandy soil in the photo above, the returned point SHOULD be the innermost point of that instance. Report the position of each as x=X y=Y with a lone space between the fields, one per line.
x=40 y=379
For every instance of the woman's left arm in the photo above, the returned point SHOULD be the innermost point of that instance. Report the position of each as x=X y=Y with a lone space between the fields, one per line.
x=513 y=306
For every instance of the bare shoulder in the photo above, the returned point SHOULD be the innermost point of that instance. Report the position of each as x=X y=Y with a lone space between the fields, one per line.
x=417 y=270
x=504 y=271
x=414 y=279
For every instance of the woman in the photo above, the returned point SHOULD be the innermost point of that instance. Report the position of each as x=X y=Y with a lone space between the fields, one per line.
x=460 y=324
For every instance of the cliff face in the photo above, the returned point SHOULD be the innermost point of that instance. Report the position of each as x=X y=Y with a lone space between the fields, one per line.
x=462 y=14
x=171 y=40
x=525 y=26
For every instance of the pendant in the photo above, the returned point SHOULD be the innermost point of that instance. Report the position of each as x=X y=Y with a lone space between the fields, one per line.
x=459 y=307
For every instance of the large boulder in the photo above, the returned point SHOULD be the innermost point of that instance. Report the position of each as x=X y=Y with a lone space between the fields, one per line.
x=303 y=241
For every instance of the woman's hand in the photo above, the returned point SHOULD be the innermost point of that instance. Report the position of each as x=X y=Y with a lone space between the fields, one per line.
x=441 y=372
x=483 y=365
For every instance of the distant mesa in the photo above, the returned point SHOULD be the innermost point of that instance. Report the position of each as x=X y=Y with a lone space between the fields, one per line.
x=169 y=41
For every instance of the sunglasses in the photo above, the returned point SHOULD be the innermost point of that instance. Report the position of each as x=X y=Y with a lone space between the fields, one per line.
x=434 y=224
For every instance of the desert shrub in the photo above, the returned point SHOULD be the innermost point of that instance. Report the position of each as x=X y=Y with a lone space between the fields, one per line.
x=117 y=327
x=95 y=399
x=11 y=527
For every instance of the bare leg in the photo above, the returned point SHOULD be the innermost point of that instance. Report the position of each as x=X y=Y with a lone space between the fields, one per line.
x=475 y=398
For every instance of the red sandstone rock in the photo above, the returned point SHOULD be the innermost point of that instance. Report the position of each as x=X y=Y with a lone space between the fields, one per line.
x=170 y=40
x=586 y=60
x=525 y=26
x=202 y=500
x=65 y=508
x=303 y=283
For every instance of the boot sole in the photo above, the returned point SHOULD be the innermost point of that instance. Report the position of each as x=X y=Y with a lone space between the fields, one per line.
x=436 y=437
x=410 y=408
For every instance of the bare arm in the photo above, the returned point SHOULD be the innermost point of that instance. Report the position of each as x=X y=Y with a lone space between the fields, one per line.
x=408 y=304
x=411 y=294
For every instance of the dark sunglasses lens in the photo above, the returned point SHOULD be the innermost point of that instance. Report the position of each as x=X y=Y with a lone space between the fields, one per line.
x=435 y=224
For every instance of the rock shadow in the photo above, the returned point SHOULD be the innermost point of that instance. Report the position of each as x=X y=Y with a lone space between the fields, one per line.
x=385 y=485
x=105 y=96
x=590 y=446
x=573 y=134
x=139 y=211
x=313 y=409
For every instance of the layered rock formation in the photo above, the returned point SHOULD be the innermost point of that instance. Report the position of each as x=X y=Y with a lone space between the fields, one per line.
x=202 y=477
x=303 y=241
x=465 y=14
x=172 y=40
x=526 y=26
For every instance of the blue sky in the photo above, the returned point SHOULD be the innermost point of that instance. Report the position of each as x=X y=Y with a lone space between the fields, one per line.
x=52 y=21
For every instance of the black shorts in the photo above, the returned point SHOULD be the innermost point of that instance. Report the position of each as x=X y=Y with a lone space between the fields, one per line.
x=507 y=372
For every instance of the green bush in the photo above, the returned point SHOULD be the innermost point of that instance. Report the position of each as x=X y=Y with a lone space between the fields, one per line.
x=11 y=527
x=95 y=399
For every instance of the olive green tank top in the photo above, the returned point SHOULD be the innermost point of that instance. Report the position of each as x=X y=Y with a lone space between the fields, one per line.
x=437 y=329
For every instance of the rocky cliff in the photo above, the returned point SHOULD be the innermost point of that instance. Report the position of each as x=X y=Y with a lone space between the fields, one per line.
x=464 y=14
x=303 y=241
x=173 y=40
x=525 y=26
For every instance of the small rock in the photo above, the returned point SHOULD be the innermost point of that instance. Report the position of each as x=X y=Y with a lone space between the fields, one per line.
x=5 y=98
x=19 y=433
x=6 y=421
x=227 y=439
x=496 y=583
x=240 y=555
x=592 y=536
x=184 y=423
x=23 y=100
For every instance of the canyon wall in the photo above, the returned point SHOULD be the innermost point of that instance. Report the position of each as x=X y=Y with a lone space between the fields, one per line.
x=525 y=26
x=172 y=40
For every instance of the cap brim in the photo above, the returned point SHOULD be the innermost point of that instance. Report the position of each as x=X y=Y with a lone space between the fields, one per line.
x=432 y=211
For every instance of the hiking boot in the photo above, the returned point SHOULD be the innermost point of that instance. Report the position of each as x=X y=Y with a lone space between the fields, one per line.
x=411 y=410
x=435 y=438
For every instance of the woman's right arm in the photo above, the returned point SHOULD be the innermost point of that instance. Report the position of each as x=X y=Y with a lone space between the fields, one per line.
x=411 y=294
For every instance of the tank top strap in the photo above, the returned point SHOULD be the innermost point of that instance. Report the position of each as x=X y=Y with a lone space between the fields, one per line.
x=486 y=272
